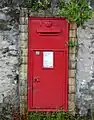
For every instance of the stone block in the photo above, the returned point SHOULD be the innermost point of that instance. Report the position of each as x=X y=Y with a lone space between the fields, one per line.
x=23 y=28
x=73 y=39
x=22 y=98
x=23 y=82
x=23 y=102
x=23 y=36
x=23 y=68
x=24 y=52
x=23 y=88
x=72 y=81
x=23 y=12
x=71 y=106
x=72 y=73
x=73 y=26
x=21 y=91
x=72 y=57
x=26 y=90
x=24 y=44
x=23 y=20
x=72 y=64
x=36 y=14
x=24 y=60
x=22 y=76
x=22 y=110
x=40 y=13
x=72 y=33
x=72 y=50
x=71 y=97
x=72 y=89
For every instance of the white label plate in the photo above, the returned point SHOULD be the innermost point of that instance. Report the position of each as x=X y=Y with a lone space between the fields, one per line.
x=47 y=59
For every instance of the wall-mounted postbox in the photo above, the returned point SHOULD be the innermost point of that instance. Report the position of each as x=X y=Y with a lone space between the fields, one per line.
x=47 y=64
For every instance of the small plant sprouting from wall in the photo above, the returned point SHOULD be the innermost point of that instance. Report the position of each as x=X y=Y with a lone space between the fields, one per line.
x=72 y=44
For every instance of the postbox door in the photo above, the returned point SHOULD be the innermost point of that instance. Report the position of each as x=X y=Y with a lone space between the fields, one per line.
x=49 y=81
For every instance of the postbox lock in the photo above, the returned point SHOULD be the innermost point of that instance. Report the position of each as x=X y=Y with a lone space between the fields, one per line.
x=36 y=79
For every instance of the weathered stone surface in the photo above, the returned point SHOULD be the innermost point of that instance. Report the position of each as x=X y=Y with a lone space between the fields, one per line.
x=73 y=26
x=72 y=89
x=72 y=33
x=73 y=39
x=72 y=82
x=9 y=97
x=23 y=68
x=72 y=64
x=23 y=12
x=23 y=28
x=72 y=98
x=24 y=52
x=72 y=50
x=72 y=73
x=72 y=57
x=24 y=60
x=23 y=20
x=23 y=76
x=85 y=67
x=24 y=44
x=23 y=36
x=71 y=106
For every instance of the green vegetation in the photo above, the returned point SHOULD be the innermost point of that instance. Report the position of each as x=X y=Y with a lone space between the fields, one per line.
x=75 y=10
x=59 y=115
x=36 y=5
x=73 y=44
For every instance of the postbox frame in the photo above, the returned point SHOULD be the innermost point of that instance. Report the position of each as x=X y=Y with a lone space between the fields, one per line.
x=30 y=68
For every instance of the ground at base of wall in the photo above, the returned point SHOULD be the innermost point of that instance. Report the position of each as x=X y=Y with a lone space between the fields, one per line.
x=59 y=115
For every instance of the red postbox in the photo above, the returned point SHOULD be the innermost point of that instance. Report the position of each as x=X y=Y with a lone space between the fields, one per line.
x=47 y=64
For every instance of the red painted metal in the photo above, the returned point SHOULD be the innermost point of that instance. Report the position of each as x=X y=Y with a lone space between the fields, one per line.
x=47 y=87
x=45 y=36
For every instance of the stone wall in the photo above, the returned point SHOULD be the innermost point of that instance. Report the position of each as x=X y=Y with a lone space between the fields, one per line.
x=9 y=63
x=23 y=67
x=23 y=27
x=81 y=79
x=85 y=67
x=13 y=60
x=72 y=66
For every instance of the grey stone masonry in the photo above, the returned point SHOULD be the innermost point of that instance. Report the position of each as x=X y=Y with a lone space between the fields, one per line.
x=72 y=68
x=9 y=64
x=23 y=27
x=85 y=67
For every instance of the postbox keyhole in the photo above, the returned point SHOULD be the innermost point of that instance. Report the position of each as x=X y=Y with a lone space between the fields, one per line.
x=36 y=79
